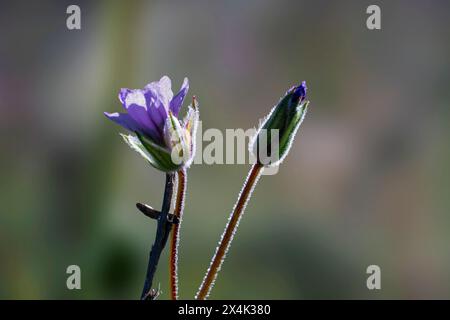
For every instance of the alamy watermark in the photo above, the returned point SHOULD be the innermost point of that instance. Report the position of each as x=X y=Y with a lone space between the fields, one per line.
x=73 y=21
x=374 y=279
x=234 y=146
x=73 y=281
x=373 y=21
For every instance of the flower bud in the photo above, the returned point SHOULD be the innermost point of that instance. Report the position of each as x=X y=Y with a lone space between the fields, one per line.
x=285 y=119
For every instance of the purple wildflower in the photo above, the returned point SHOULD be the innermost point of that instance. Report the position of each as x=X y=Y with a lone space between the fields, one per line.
x=152 y=114
x=148 y=108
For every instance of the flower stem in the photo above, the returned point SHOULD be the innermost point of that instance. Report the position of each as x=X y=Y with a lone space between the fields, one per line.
x=175 y=238
x=162 y=234
x=230 y=230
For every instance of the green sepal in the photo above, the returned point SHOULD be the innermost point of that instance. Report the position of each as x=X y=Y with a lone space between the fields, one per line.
x=289 y=134
x=157 y=156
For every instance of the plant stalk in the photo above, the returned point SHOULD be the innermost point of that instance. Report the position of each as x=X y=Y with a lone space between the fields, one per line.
x=175 y=237
x=230 y=230
x=162 y=234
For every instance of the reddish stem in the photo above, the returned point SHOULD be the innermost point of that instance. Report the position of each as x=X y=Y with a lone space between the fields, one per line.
x=175 y=237
x=228 y=233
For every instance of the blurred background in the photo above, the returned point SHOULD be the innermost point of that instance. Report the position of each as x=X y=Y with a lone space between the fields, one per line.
x=366 y=182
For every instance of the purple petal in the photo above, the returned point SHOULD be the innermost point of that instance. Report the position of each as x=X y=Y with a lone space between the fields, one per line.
x=135 y=103
x=165 y=90
x=123 y=120
x=123 y=94
x=165 y=94
x=162 y=90
x=177 y=101
x=155 y=109
x=141 y=117
x=158 y=95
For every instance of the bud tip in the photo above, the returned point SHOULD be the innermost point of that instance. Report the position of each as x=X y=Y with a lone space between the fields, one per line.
x=300 y=91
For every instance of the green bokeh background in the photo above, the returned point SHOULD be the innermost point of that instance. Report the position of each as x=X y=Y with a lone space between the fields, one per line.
x=366 y=182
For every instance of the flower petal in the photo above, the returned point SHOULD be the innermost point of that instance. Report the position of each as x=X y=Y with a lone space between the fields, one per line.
x=177 y=101
x=165 y=89
x=133 y=97
x=123 y=94
x=158 y=95
x=123 y=120
x=162 y=90
x=135 y=103
x=155 y=108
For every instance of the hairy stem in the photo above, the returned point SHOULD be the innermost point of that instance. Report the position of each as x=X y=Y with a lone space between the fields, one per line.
x=162 y=234
x=230 y=229
x=175 y=238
